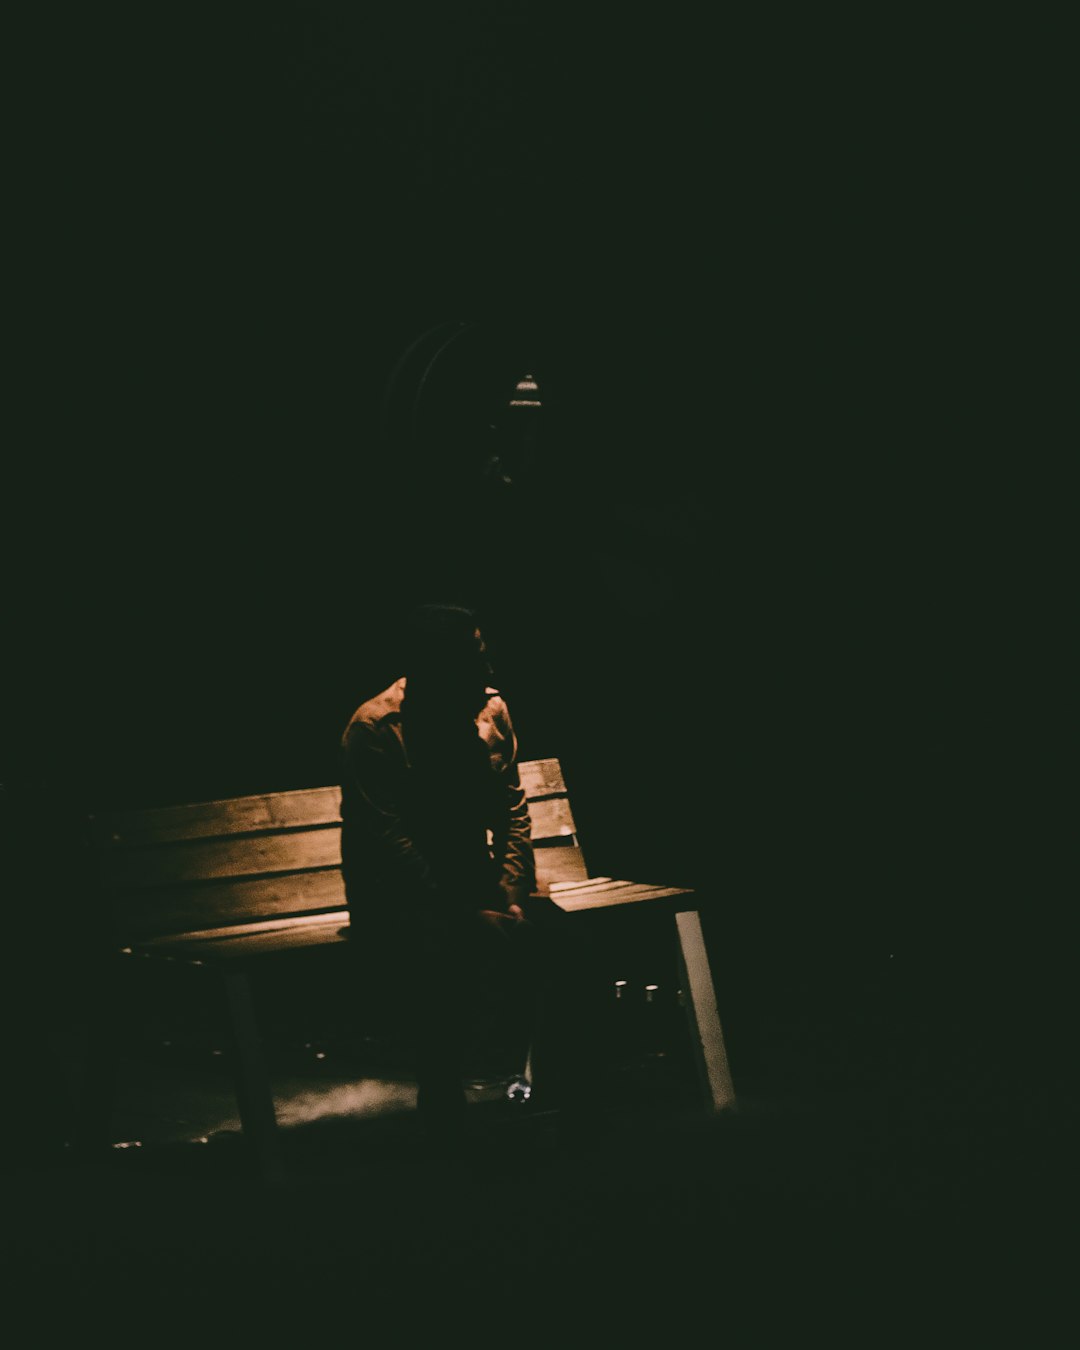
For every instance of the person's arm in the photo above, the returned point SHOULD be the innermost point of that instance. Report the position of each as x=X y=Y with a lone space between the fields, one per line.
x=512 y=841
x=371 y=760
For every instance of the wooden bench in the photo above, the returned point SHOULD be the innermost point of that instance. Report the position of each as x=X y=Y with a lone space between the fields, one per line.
x=225 y=883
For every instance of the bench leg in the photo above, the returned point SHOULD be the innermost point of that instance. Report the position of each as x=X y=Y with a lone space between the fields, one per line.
x=706 y=1035
x=253 y=1093
x=527 y=1071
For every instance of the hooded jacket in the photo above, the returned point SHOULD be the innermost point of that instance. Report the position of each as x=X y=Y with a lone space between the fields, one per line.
x=441 y=837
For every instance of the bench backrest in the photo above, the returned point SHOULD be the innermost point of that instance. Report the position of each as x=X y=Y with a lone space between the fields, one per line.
x=182 y=869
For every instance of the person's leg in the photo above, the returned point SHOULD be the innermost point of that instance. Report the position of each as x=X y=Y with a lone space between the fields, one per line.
x=568 y=1043
x=537 y=984
x=433 y=1004
x=406 y=996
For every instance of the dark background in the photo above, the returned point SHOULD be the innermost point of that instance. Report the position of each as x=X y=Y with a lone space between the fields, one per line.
x=773 y=593
x=731 y=595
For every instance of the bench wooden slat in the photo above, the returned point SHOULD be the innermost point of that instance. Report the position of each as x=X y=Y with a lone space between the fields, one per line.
x=248 y=856
x=541 y=777
x=178 y=909
x=551 y=819
x=256 y=939
x=614 y=893
x=559 y=864
x=204 y=820
x=266 y=944
x=296 y=921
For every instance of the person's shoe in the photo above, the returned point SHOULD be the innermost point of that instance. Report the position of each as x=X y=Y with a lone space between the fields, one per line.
x=519 y=1091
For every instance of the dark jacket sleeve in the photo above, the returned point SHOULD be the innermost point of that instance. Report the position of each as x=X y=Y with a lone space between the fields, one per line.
x=512 y=841
x=372 y=763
